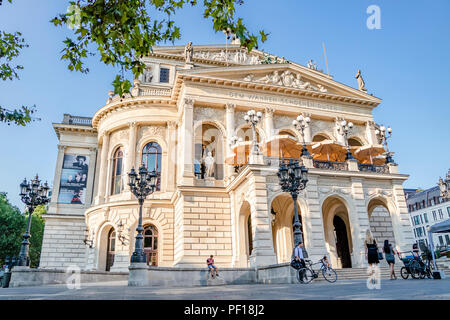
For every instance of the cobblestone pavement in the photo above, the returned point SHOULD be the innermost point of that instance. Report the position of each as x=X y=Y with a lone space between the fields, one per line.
x=391 y=290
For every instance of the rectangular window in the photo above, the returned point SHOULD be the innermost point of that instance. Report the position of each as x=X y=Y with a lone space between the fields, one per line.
x=164 y=75
x=448 y=211
x=434 y=215
x=441 y=241
x=421 y=219
x=447 y=239
x=425 y=217
x=441 y=215
x=415 y=234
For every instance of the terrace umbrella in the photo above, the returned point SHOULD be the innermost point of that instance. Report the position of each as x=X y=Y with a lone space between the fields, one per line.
x=328 y=150
x=283 y=146
x=366 y=154
x=241 y=152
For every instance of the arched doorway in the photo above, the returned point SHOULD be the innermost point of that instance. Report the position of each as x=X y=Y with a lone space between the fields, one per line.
x=245 y=235
x=208 y=142
x=111 y=249
x=338 y=237
x=282 y=210
x=342 y=246
x=380 y=221
x=151 y=244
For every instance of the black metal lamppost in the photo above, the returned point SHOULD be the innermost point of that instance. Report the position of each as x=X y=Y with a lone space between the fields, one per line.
x=346 y=127
x=253 y=118
x=33 y=194
x=141 y=185
x=381 y=133
x=293 y=179
x=300 y=124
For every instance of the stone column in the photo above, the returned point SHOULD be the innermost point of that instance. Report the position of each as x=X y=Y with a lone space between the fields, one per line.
x=91 y=174
x=172 y=152
x=131 y=154
x=313 y=221
x=308 y=134
x=57 y=179
x=230 y=107
x=262 y=253
x=359 y=221
x=188 y=142
x=103 y=168
x=268 y=122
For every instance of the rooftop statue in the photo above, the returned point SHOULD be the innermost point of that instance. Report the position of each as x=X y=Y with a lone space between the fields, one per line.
x=188 y=52
x=361 y=83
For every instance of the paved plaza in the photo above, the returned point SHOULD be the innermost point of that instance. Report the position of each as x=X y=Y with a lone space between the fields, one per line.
x=346 y=290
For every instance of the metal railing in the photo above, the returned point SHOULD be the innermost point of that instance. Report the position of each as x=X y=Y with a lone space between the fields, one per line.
x=82 y=121
x=373 y=168
x=330 y=165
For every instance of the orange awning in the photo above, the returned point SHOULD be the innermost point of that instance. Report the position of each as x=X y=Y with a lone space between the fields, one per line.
x=328 y=150
x=283 y=146
x=241 y=152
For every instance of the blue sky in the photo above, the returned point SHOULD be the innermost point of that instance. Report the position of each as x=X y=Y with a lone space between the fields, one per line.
x=405 y=63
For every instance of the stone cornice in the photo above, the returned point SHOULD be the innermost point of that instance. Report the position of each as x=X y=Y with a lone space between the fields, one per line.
x=59 y=127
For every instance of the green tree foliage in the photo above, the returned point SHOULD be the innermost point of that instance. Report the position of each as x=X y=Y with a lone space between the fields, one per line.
x=12 y=227
x=10 y=46
x=123 y=31
x=37 y=234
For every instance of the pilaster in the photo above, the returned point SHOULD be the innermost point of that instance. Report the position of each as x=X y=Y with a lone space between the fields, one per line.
x=188 y=142
x=359 y=221
x=103 y=168
x=268 y=122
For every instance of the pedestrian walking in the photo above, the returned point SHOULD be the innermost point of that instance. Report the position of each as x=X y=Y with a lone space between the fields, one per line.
x=389 y=253
x=371 y=250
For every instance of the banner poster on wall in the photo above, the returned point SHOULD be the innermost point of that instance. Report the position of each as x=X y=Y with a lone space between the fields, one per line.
x=74 y=173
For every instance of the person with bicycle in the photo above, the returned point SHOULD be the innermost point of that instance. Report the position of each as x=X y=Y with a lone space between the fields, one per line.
x=298 y=256
x=211 y=267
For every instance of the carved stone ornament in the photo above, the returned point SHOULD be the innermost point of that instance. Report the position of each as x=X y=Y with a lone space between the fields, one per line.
x=152 y=131
x=287 y=79
x=378 y=192
x=238 y=56
x=201 y=113
x=334 y=189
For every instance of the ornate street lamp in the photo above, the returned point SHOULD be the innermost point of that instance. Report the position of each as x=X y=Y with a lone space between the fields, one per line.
x=293 y=179
x=444 y=186
x=381 y=134
x=300 y=124
x=141 y=185
x=253 y=118
x=33 y=194
x=346 y=127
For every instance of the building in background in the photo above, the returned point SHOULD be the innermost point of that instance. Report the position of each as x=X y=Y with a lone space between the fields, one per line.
x=427 y=208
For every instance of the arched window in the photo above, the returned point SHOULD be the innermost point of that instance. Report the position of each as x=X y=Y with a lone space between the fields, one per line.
x=117 y=164
x=110 y=252
x=353 y=142
x=151 y=158
x=151 y=245
x=320 y=137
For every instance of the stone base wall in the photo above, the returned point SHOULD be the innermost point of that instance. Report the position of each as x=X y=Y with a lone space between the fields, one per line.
x=206 y=227
x=62 y=244
x=24 y=277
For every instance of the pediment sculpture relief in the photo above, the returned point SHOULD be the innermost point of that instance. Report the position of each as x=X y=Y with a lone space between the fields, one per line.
x=286 y=79
x=240 y=57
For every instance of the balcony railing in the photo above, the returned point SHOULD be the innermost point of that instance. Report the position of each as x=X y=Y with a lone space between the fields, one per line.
x=373 y=168
x=330 y=165
x=81 y=121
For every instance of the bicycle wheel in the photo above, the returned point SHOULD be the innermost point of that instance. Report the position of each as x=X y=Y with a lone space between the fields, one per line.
x=414 y=268
x=305 y=275
x=404 y=273
x=329 y=274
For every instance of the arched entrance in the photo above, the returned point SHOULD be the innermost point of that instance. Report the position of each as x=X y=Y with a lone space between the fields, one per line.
x=282 y=210
x=338 y=238
x=151 y=244
x=342 y=248
x=380 y=221
x=111 y=249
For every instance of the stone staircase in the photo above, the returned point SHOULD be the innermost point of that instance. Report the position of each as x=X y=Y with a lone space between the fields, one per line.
x=361 y=273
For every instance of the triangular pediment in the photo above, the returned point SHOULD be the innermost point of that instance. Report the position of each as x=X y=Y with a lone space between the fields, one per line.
x=282 y=77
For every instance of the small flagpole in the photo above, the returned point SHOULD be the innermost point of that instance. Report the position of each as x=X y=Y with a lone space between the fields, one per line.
x=325 y=53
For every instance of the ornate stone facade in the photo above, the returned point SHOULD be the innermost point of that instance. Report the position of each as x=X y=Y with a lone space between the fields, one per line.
x=238 y=214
